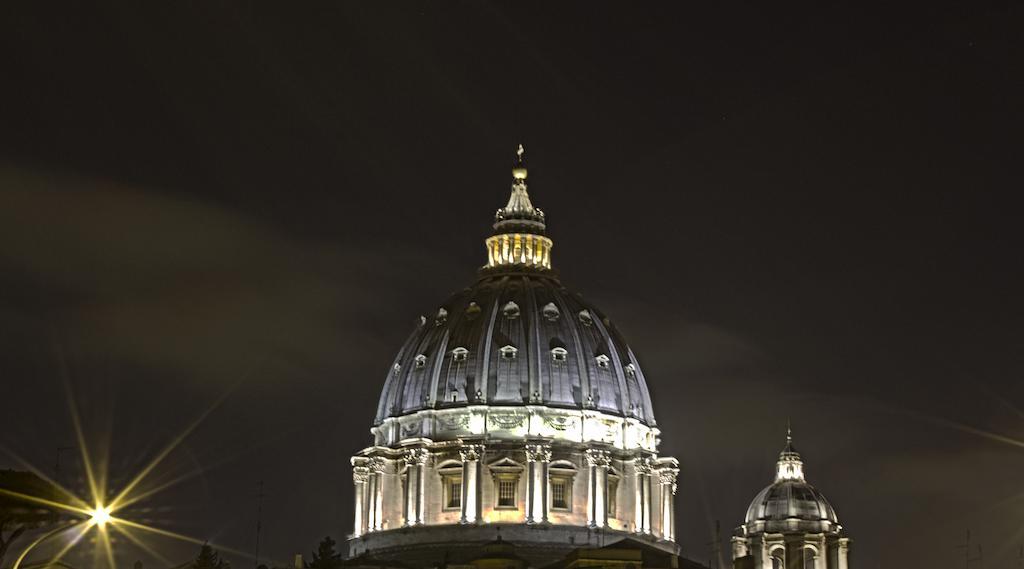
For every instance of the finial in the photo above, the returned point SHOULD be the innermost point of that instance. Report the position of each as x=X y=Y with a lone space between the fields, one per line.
x=789 y=433
x=519 y=168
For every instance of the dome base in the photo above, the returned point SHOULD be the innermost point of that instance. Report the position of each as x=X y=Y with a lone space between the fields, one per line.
x=538 y=544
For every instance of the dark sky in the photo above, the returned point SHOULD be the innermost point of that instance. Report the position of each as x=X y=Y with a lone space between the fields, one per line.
x=792 y=212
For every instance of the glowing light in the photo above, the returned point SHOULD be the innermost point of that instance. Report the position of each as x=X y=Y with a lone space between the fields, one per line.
x=100 y=515
x=95 y=514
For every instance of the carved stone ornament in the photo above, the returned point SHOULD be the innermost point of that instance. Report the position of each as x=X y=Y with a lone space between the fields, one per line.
x=538 y=453
x=471 y=452
x=644 y=465
x=411 y=429
x=598 y=457
x=360 y=474
x=376 y=464
x=508 y=421
x=668 y=477
x=559 y=423
x=417 y=456
x=455 y=422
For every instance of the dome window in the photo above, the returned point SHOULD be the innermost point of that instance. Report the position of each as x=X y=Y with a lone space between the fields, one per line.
x=421 y=361
x=459 y=354
x=550 y=312
x=585 y=318
x=509 y=352
x=630 y=370
x=602 y=361
x=472 y=311
x=559 y=354
x=510 y=310
x=442 y=317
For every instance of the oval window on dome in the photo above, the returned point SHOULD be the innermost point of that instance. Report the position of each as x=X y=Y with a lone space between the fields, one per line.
x=551 y=312
x=472 y=311
x=510 y=310
x=442 y=317
x=585 y=318
x=602 y=361
x=421 y=361
x=559 y=354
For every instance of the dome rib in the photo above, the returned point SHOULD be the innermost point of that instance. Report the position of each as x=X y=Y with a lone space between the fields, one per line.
x=581 y=366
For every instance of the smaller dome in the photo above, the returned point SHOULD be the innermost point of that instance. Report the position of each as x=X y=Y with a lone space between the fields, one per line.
x=790 y=503
x=789 y=500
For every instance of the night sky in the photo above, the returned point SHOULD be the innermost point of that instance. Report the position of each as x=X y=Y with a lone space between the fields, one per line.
x=797 y=213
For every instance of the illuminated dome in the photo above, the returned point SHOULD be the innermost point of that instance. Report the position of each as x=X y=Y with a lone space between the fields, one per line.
x=516 y=411
x=516 y=338
x=790 y=501
x=790 y=523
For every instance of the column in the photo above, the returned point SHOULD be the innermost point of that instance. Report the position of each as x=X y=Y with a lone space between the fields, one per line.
x=597 y=512
x=471 y=455
x=644 y=466
x=667 y=477
x=537 y=459
x=415 y=460
x=545 y=506
x=360 y=474
x=375 y=521
x=844 y=553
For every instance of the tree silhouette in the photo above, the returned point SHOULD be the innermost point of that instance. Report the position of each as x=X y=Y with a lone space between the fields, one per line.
x=18 y=515
x=209 y=559
x=325 y=556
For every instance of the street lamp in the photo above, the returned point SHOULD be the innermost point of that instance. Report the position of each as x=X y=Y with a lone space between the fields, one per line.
x=99 y=515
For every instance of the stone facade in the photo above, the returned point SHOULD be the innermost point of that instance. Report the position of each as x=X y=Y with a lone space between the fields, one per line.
x=529 y=481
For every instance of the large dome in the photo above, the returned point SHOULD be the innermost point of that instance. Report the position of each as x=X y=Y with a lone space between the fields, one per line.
x=516 y=337
x=514 y=411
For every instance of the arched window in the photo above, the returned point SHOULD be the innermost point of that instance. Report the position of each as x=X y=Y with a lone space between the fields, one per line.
x=459 y=354
x=510 y=310
x=810 y=556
